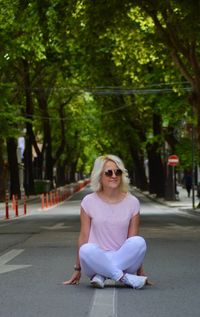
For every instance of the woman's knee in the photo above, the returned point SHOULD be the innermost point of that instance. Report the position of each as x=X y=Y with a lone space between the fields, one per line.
x=138 y=242
x=86 y=250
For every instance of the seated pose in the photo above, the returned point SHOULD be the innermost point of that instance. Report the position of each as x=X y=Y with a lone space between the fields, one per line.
x=109 y=246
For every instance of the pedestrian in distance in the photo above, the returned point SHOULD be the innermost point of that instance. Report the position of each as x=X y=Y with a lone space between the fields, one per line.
x=109 y=245
x=188 y=183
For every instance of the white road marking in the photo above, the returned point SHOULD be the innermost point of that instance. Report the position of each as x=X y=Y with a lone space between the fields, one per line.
x=104 y=303
x=4 y=267
x=58 y=226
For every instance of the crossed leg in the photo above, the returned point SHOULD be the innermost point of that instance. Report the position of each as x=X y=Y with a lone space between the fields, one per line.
x=113 y=264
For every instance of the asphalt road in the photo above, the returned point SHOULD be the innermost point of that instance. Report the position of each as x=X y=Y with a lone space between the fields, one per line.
x=37 y=252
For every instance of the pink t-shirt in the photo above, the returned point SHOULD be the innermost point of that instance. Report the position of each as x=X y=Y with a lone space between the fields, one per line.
x=109 y=221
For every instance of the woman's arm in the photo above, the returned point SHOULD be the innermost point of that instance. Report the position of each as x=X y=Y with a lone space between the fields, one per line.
x=83 y=238
x=134 y=224
x=84 y=233
x=133 y=230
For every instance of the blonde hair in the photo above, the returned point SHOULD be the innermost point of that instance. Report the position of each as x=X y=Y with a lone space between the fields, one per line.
x=98 y=168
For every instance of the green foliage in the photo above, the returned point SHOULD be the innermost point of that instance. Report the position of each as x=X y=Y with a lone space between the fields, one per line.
x=11 y=119
x=187 y=153
x=102 y=69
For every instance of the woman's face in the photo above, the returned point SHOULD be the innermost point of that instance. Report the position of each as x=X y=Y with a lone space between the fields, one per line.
x=111 y=175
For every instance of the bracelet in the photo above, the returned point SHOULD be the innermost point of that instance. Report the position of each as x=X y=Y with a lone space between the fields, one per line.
x=77 y=268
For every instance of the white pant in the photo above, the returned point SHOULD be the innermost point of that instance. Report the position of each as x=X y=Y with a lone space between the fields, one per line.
x=113 y=264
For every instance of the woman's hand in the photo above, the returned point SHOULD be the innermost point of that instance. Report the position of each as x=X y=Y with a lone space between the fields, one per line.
x=74 y=280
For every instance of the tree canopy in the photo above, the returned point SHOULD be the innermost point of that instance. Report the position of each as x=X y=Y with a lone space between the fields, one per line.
x=81 y=78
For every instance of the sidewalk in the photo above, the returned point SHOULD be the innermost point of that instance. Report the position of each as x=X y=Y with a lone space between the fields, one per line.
x=183 y=202
x=38 y=203
x=30 y=199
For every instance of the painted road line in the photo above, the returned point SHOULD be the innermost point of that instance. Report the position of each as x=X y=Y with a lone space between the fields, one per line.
x=7 y=257
x=104 y=303
x=58 y=226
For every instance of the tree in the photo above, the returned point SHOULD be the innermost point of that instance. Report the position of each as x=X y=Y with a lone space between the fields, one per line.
x=101 y=64
x=177 y=27
x=143 y=54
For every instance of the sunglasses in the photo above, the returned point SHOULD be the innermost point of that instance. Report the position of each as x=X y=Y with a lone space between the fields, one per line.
x=110 y=173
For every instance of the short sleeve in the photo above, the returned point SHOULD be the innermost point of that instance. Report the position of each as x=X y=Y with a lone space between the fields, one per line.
x=135 y=205
x=85 y=204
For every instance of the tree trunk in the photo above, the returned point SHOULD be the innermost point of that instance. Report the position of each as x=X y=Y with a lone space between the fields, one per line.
x=28 y=164
x=61 y=178
x=72 y=171
x=48 y=160
x=194 y=100
x=156 y=169
x=13 y=168
x=170 y=185
x=3 y=174
x=37 y=166
x=139 y=175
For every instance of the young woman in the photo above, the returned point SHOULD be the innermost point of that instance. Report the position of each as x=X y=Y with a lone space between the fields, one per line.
x=109 y=246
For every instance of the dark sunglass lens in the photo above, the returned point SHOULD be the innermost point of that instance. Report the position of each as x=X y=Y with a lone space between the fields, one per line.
x=108 y=173
x=118 y=172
